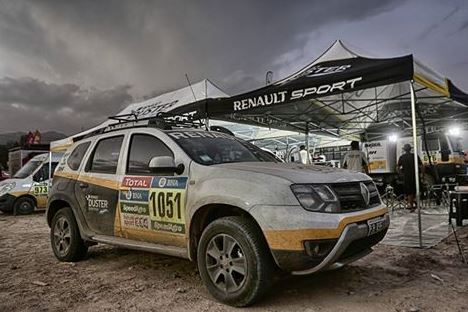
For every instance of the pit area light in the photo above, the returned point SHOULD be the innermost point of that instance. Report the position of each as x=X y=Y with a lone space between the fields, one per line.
x=393 y=137
x=454 y=131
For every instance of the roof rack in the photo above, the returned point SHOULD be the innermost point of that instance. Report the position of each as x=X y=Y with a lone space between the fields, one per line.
x=163 y=121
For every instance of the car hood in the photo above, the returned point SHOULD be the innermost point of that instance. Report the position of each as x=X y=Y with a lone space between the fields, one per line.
x=298 y=173
x=17 y=181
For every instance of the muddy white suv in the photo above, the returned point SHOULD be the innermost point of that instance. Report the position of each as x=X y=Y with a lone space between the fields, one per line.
x=214 y=199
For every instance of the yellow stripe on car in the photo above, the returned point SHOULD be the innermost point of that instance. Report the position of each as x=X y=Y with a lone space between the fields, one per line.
x=293 y=239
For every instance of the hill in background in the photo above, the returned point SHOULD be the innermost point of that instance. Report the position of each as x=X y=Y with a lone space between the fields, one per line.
x=47 y=136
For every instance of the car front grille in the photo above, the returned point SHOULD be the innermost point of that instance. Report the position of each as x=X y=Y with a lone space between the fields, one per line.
x=353 y=196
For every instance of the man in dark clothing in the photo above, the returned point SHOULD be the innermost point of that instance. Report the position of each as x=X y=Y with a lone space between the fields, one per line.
x=406 y=166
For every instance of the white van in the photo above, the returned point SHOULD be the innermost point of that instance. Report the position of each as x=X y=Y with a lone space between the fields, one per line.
x=28 y=189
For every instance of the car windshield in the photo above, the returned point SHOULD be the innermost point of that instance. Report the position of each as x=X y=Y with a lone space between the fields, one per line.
x=27 y=169
x=212 y=148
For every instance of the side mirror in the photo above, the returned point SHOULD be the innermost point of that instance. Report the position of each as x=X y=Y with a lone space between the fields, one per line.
x=165 y=165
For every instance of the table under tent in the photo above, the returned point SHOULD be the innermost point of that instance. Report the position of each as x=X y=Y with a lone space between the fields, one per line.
x=347 y=95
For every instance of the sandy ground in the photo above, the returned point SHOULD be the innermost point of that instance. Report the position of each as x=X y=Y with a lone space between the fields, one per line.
x=115 y=279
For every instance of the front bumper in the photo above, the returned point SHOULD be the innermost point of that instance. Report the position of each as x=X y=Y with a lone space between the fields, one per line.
x=302 y=242
x=6 y=202
x=353 y=244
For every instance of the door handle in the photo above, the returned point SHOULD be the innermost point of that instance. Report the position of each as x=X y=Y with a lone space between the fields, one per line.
x=83 y=185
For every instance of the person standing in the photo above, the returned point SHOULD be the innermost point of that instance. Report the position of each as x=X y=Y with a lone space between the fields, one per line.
x=405 y=165
x=355 y=160
x=304 y=155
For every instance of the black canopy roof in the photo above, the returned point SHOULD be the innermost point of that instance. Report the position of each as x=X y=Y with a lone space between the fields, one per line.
x=344 y=94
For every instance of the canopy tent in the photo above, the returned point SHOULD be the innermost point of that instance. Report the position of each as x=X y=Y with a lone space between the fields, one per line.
x=343 y=94
x=164 y=103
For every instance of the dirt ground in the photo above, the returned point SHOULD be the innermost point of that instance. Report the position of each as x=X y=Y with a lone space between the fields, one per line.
x=116 y=279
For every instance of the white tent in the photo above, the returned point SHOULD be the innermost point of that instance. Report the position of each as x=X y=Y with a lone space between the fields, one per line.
x=163 y=103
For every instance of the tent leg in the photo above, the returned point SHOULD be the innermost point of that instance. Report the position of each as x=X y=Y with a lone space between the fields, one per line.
x=49 y=183
x=207 y=123
x=307 y=143
x=416 y=162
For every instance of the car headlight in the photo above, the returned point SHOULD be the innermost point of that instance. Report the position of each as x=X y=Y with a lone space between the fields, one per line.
x=314 y=197
x=6 y=188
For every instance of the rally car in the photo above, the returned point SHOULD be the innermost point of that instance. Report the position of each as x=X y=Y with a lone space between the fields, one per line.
x=214 y=199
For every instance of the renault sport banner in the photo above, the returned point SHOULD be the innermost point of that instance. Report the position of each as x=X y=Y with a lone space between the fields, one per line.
x=319 y=80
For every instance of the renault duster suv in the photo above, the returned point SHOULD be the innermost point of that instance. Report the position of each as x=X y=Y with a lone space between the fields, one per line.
x=214 y=199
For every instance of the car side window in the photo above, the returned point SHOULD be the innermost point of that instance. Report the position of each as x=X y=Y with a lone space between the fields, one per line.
x=143 y=148
x=75 y=158
x=43 y=173
x=105 y=156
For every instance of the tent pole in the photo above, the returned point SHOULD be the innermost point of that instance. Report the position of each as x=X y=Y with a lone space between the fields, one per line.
x=416 y=162
x=207 y=116
x=307 y=142
x=207 y=123
x=49 y=183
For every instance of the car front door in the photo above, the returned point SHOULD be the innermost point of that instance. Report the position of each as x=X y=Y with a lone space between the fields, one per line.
x=97 y=188
x=152 y=207
x=41 y=183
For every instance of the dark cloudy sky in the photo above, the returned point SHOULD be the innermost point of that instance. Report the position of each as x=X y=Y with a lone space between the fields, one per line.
x=66 y=65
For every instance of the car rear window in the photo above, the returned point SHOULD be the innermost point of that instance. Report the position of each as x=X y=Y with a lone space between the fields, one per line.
x=76 y=157
x=105 y=156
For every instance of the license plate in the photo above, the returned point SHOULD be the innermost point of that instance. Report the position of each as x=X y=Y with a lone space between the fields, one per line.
x=376 y=225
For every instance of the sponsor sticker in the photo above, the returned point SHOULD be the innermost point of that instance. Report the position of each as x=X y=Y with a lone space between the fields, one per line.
x=169 y=182
x=168 y=227
x=167 y=204
x=133 y=208
x=135 y=221
x=134 y=195
x=137 y=182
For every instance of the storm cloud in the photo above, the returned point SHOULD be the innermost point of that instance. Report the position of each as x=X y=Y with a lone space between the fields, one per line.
x=34 y=104
x=84 y=60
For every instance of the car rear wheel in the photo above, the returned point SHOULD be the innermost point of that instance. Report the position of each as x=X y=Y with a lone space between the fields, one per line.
x=65 y=238
x=234 y=261
x=24 y=206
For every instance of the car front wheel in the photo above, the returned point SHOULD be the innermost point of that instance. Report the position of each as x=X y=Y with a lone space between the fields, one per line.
x=24 y=206
x=234 y=261
x=65 y=238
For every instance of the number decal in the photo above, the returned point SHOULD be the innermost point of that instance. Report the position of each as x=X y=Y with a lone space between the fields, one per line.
x=40 y=190
x=167 y=204
x=163 y=203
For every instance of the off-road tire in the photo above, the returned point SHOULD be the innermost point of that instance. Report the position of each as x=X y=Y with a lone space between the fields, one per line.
x=23 y=206
x=260 y=267
x=77 y=248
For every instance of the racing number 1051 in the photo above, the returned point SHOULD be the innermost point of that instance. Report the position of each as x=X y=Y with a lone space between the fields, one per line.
x=163 y=204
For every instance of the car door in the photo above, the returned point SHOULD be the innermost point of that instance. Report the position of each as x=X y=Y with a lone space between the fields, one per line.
x=152 y=207
x=96 y=188
x=41 y=183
